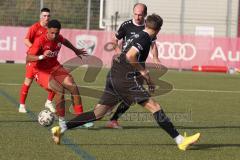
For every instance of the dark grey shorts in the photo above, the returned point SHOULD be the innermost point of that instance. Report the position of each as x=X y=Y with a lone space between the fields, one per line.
x=123 y=89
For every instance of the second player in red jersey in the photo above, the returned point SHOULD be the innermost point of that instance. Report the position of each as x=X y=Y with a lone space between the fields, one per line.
x=34 y=32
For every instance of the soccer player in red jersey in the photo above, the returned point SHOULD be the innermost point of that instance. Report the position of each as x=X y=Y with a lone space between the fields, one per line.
x=49 y=73
x=35 y=31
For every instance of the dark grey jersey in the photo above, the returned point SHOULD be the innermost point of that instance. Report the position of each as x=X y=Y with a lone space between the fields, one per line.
x=141 y=42
x=128 y=29
x=121 y=67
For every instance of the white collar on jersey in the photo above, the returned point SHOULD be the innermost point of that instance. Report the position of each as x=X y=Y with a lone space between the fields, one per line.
x=138 y=24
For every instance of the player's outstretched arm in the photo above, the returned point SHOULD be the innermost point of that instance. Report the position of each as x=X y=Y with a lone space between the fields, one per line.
x=78 y=52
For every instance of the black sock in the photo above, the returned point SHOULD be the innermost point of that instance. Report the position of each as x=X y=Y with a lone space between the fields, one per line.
x=122 y=108
x=81 y=119
x=165 y=123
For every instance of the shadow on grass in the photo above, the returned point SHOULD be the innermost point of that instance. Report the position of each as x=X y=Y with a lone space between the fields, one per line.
x=212 y=146
x=179 y=127
x=192 y=147
x=121 y=144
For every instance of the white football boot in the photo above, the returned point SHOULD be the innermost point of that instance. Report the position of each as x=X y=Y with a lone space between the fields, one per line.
x=50 y=105
x=22 y=108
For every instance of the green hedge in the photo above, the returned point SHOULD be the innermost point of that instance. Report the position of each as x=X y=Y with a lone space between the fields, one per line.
x=71 y=13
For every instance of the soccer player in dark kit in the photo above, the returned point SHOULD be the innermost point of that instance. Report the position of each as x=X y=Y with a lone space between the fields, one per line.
x=124 y=33
x=122 y=86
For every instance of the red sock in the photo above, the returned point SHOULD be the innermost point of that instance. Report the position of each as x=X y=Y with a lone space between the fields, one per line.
x=51 y=95
x=23 y=93
x=78 y=109
x=60 y=111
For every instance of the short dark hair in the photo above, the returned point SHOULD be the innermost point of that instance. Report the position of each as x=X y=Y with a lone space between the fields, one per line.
x=54 y=24
x=45 y=10
x=144 y=7
x=154 y=22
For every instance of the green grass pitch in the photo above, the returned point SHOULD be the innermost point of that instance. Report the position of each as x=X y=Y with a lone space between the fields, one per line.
x=208 y=103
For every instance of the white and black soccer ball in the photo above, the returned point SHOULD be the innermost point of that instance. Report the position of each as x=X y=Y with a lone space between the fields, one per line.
x=46 y=118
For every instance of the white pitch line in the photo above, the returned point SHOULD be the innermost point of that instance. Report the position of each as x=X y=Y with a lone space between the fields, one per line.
x=175 y=89
x=10 y=84
x=203 y=90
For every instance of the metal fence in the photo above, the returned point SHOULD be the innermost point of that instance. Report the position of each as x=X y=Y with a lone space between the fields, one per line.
x=81 y=14
x=185 y=17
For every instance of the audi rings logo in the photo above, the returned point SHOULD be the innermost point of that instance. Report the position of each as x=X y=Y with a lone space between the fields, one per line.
x=176 y=51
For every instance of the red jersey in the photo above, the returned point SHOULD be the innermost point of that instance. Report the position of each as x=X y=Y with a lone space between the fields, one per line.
x=35 y=31
x=42 y=44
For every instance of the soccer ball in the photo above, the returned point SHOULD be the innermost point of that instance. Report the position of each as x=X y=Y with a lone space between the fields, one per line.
x=46 y=118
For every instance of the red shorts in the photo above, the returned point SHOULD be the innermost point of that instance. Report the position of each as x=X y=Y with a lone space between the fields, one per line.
x=30 y=71
x=43 y=78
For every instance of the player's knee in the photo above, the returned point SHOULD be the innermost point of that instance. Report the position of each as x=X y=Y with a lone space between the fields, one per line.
x=152 y=106
x=70 y=84
x=69 y=80
x=99 y=115
x=100 y=111
x=28 y=81
x=157 y=106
